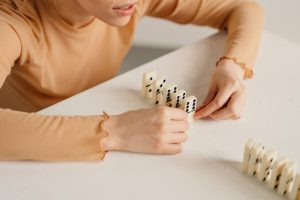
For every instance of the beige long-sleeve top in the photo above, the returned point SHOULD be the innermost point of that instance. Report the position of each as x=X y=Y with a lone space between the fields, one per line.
x=44 y=60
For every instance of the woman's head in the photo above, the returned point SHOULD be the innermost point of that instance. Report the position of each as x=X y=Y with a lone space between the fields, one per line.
x=112 y=12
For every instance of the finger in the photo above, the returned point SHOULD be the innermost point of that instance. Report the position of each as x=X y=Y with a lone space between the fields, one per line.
x=210 y=96
x=221 y=114
x=176 y=114
x=237 y=104
x=175 y=138
x=208 y=99
x=221 y=98
x=177 y=126
x=171 y=149
x=233 y=109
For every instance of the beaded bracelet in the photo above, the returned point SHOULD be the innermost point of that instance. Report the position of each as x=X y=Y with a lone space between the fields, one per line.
x=248 y=72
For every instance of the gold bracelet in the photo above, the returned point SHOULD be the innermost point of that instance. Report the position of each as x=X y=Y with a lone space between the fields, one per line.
x=248 y=72
x=106 y=117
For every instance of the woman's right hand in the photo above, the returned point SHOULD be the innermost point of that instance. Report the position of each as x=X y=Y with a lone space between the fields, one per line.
x=159 y=130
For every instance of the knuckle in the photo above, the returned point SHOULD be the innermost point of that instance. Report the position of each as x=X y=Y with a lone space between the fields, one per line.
x=159 y=149
x=163 y=139
x=162 y=111
x=185 y=138
x=236 y=116
x=235 y=113
x=161 y=127
x=178 y=149
x=218 y=103
x=157 y=143
x=186 y=125
x=232 y=84
x=183 y=126
x=233 y=110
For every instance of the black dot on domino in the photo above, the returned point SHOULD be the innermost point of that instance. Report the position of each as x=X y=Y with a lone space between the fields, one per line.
x=278 y=177
x=150 y=90
x=151 y=78
x=161 y=85
x=157 y=90
x=156 y=102
x=164 y=80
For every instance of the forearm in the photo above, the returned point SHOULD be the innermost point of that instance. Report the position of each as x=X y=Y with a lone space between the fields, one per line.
x=242 y=18
x=27 y=136
x=244 y=25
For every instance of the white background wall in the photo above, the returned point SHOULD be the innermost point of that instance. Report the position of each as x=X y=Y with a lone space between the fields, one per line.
x=282 y=18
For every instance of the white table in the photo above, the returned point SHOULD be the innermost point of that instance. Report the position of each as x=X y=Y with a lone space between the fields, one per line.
x=209 y=167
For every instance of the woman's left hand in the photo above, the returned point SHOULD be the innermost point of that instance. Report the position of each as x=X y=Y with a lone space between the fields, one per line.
x=226 y=97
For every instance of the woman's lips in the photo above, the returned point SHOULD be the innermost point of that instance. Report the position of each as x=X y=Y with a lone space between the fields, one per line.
x=125 y=10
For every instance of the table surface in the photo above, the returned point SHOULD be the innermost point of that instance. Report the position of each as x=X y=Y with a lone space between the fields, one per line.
x=209 y=166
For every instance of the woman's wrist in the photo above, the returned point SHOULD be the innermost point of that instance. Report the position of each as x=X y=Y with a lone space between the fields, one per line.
x=229 y=66
x=112 y=141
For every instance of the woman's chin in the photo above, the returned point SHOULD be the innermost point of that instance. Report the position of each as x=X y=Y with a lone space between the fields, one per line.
x=119 y=22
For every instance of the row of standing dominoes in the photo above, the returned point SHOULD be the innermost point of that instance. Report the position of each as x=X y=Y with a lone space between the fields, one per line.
x=160 y=93
x=278 y=173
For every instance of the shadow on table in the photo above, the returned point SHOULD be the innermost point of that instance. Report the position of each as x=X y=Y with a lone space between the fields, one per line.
x=228 y=174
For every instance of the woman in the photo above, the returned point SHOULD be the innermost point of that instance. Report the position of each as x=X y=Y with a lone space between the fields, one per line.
x=53 y=49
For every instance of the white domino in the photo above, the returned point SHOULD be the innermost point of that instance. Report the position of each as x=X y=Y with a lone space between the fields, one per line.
x=167 y=95
x=177 y=98
x=294 y=193
x=189 y=106
x=259 y=157
x=287 y=177
x=247 y=154
x=147 y=85
x=267 y=165
x=157 y=95
x=255 y=159
x=279 y=164
x=168 y=92
x=279 y=174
